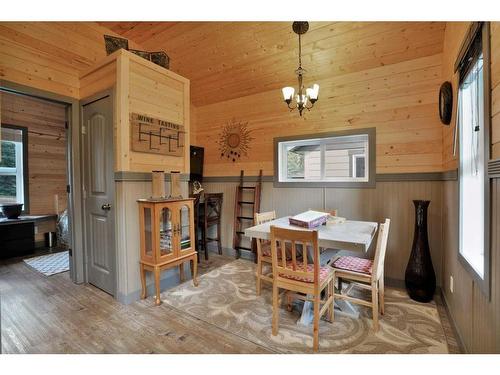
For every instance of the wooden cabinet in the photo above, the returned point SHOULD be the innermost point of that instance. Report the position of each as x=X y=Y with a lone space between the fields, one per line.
x=168 y=239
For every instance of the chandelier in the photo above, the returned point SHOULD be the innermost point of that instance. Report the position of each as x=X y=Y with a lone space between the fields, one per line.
x=305 y=98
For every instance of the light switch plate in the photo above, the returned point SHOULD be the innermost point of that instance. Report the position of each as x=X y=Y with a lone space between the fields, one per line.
x=451 y=283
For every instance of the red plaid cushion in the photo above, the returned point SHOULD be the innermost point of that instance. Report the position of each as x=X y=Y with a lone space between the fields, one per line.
x=323 y=272
x=354 y=264
x=265 y=247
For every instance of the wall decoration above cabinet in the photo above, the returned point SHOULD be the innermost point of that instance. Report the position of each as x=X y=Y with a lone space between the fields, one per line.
x=156 y=136
x=114 y=43
x=234 y=141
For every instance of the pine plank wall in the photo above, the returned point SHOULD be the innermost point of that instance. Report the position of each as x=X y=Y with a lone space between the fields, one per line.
x=385 y=75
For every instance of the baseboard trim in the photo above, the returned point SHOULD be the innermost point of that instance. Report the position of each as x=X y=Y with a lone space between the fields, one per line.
x=454 y=326
x=170 y=279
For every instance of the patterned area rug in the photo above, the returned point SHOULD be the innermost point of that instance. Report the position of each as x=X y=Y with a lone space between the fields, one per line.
x=50 y=264
x=226 y=298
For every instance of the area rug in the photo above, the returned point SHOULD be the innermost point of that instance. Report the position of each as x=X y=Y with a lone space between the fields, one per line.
x=226 y=298
x=50 y=264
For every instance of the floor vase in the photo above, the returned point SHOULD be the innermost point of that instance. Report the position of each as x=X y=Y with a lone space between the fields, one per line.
x=420 y=279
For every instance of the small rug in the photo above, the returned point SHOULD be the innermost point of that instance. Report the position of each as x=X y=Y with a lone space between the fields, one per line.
x=226 y=298
x=50 y=264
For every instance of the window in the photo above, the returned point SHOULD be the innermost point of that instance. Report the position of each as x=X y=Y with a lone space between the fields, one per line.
x=13 y=165
x=333 y=159
x=473 y=135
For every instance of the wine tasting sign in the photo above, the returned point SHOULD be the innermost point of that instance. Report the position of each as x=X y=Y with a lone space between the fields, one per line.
x=156 y=136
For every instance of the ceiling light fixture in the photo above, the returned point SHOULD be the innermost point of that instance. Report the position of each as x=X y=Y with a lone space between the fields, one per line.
x=303 y=100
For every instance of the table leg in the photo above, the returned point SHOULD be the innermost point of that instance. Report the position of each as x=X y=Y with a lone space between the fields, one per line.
x=341 y=306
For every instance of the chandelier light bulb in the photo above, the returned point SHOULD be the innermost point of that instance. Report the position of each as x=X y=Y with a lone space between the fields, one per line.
x=288 y=93
x=301 y=100
x=315 y=92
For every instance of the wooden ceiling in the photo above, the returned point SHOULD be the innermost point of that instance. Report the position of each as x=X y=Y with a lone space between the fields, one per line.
x=227 y=60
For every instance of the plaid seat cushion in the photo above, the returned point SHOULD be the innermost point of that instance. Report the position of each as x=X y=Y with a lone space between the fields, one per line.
x=265 y=247
x=323 y=272
x=354 y=264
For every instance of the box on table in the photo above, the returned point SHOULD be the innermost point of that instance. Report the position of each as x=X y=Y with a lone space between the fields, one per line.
x=309 y=219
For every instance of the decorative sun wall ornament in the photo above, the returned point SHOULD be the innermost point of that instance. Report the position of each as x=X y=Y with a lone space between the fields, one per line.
x=234 y=141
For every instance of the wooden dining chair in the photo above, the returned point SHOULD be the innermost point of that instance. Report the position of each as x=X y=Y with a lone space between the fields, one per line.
x=263 y=251
x=333 y=212
x=365 y=273
x=299 y=276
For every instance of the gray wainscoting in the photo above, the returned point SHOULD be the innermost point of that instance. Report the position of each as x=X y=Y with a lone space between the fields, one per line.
x=391 y=199
x=127 y=234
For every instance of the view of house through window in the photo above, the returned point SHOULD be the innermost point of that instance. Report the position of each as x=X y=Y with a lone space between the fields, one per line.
x=472 y=167
x=11 y=166
x=341 y=158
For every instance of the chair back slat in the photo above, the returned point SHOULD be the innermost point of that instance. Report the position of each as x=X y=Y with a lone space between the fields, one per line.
x=261 y=218
x=308 y=240
x=213 y=205
x=283 y=253
x=264 y=217
x=380 y=251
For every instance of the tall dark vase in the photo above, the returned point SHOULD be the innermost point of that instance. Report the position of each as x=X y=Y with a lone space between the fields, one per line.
x=420 y=278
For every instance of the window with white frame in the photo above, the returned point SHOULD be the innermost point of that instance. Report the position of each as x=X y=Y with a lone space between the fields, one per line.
x=473 y=146
x=343 y=158
x=12 y=166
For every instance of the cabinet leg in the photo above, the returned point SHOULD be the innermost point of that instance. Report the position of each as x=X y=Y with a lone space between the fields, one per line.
x=181 y=272
x=194 y=270
x=143 y=282
x=157 y=286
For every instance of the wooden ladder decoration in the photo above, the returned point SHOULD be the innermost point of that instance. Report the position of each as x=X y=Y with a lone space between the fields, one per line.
x=241 y=222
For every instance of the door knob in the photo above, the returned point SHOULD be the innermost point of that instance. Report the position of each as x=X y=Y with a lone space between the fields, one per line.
x=106 y=207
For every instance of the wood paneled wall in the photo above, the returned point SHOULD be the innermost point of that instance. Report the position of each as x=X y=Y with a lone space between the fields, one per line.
x=476 y=316
x=388 y=200
x=51 y=55
x=46 y=148
x=157 y=92
x=387 y=88
x=145 y=88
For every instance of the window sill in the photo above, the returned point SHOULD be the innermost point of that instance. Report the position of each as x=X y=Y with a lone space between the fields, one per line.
x=325 y=184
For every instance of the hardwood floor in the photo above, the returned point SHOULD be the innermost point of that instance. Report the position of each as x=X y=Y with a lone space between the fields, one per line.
x=53 y=315
x=41 y=314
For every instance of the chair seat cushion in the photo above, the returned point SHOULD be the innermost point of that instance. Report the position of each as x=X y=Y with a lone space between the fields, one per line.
x=354 y=264
x=265 y=247
x=323 y=272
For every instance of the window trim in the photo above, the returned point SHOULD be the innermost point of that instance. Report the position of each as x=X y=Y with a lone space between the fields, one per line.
x=25 y=170
x=354 y=163
x=484 y=281
x=371 y=132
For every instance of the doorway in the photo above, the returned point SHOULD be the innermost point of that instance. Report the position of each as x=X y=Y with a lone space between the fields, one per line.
x=35 y=174
x=73 y=189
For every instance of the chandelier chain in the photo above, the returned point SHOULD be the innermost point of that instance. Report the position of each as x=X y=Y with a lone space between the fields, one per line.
x=300 y=53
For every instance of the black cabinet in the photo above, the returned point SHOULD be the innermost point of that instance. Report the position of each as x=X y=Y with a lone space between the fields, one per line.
x=17 y=239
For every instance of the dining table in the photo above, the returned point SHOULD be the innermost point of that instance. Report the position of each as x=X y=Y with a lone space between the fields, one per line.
x=334 y=236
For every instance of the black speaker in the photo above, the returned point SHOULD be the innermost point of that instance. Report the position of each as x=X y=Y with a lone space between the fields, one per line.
x=196 y=163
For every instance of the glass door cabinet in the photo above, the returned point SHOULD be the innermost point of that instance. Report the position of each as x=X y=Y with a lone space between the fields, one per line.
x=167 y=239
